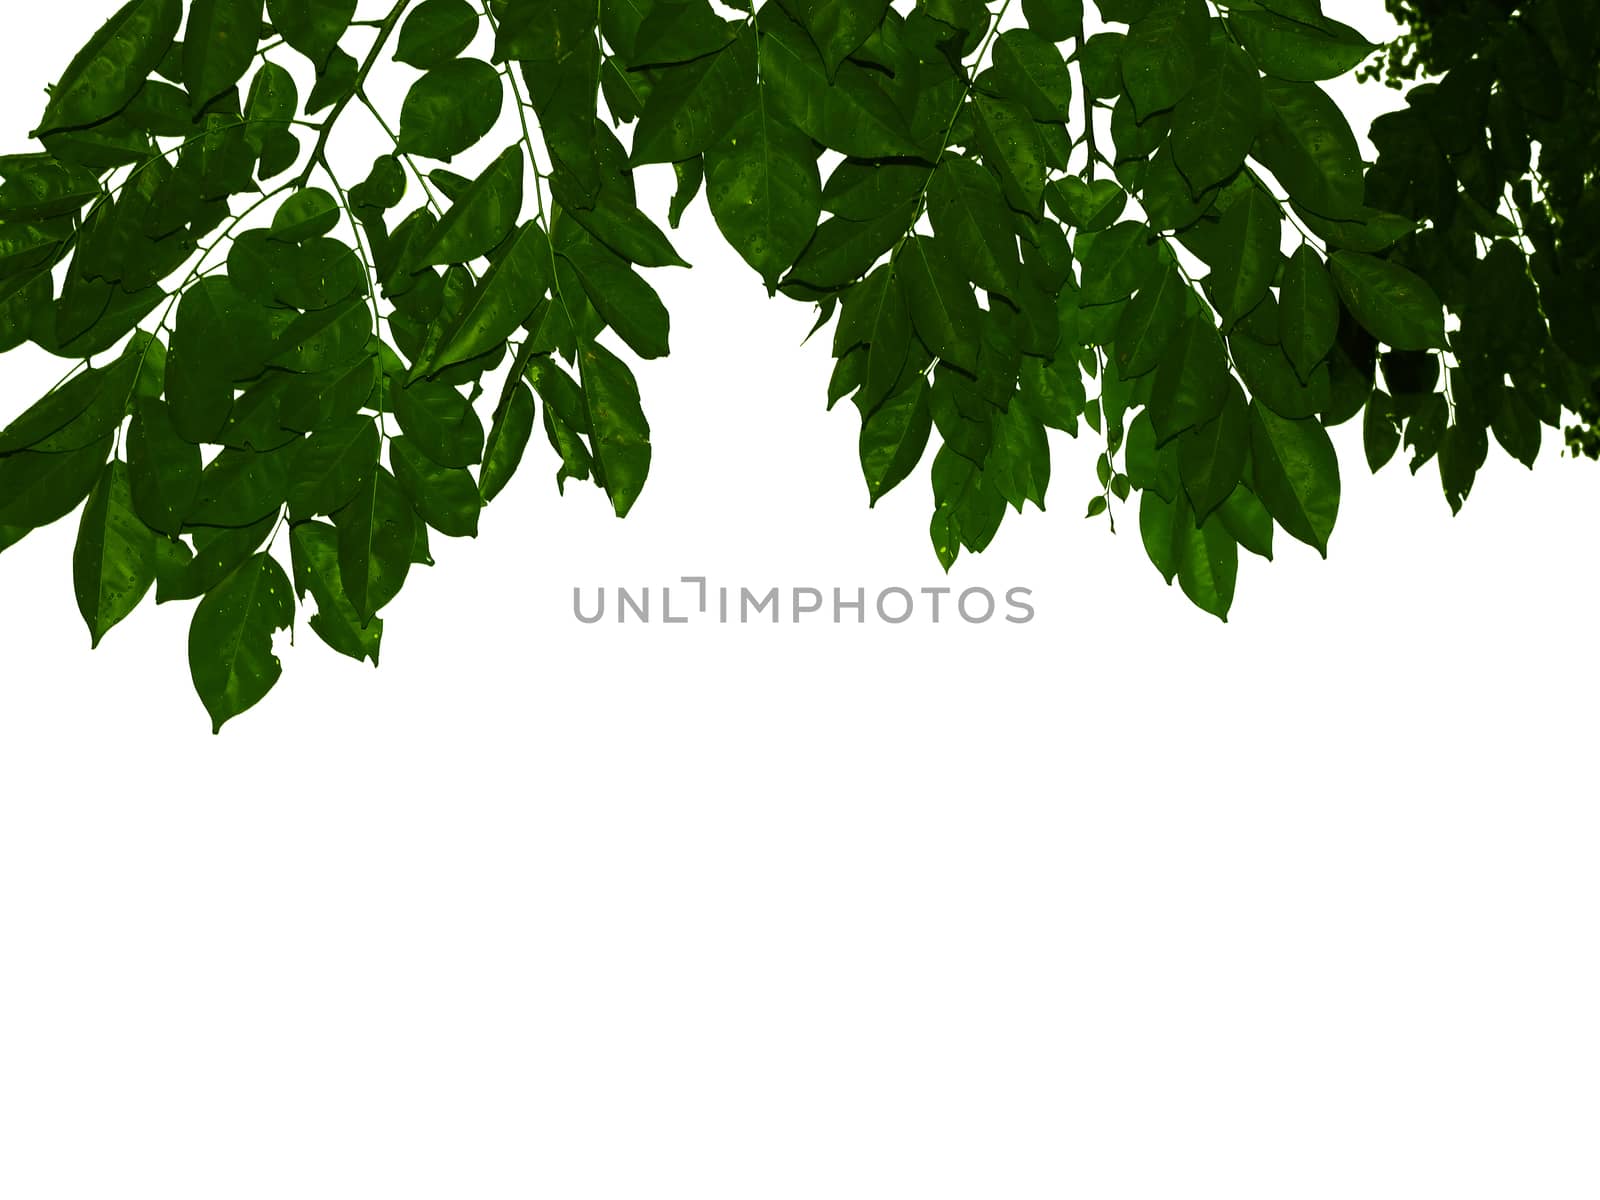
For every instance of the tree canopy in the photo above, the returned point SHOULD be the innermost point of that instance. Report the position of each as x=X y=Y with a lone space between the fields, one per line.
x=1147 y=219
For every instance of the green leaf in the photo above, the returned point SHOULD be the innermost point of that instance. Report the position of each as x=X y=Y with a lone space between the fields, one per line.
x=1057 y=20
x=1368 y=232
x=1215 y=125
x=435 y=32
x=1151 y=468
x=445 y=497
x=336 y=82
x=1092 y=206
x=220 y=335
x=679 y=31
x=1247 y=521
x=1247 y=254
x=1212 y=457
x=307 y=213
x=621 y=436
x=325 y=338
x=1117 y=262
x=313 y=27
x=1030 y=70
x=1296 y=475
x=480 y=219
x=503 y=299
x=969 y=215
x=893 y=438
x=1208 y=563
x=182 y=576
x=764 y=190
x=1308 y=312
x=1052 y=391
x=691 y=174
x=838 y=27
x=377 y=532
x=1190 y=384
x=628 y=304
x=114 y=561
x=1158 y=517
x=38 y=488
x=508 y=438
x=694 y=104
x=314 y=551
x=1397 y=307
x=1149 y=322
x=37 y=187
x=450 y=109
x=1159 y=60
x=1018 y=463
x=230 y=638
x=1266 y=371
x=328 y=467
x=943 y=309
x=163 y=467
x=875 y=316
x=615 y=220
x=843 y=250
x=114 y=65
x=240 y=487
x=1299 y=49
x=219 y=44
x=1310 y=149
x=87 y=407
x=851 y=113
x=1010 y=143
x=440 y=422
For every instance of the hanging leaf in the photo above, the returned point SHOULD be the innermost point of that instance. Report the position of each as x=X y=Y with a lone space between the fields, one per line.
x=230 y=639
x=1296 y=475
x=106 y=73
x=114 y=562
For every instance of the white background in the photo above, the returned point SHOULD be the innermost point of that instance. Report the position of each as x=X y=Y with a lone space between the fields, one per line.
x=1119 y=903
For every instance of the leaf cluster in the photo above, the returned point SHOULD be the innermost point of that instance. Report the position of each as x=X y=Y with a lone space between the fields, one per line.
x=1148 y=219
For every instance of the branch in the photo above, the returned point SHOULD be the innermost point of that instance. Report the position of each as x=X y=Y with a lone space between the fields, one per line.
x=319 y=150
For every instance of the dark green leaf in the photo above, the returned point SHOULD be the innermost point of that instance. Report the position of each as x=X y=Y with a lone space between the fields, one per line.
x=1396 y=306
x=114 y=561
x=230 y=638
x=445 y=497
x=508 y=438
x=1212 y=457
x=312 y=27
x=106 y=73
x=450 y=108
x=435 y=32
x=328 y=467
x=1216 y=123
x=37 y=488
x=893 y=438
x=314 y=550
x=480 y=219
x=943 y=309
x=694 y=104
x=1247 y=254
x=219 y=44
x=764 y=190
x=377 y=533
x=1296 y=475
x=621 y=436
x=1302 y=49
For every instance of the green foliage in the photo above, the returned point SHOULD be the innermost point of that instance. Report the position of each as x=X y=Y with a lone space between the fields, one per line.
x=1492 y=161
x=1163 y=232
